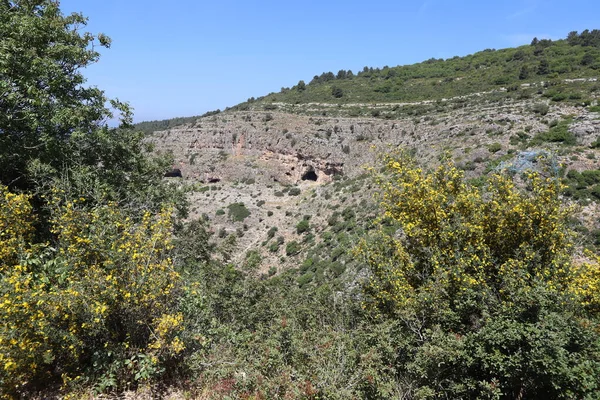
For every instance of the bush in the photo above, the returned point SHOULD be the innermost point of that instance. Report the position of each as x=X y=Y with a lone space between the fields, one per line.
x=557 y=134
x=271 y=232
x=238 y=212
x=292 y=248
x=540 y=108
x=274 y=247
x=302 y=226
x=103 y=294
x=494 y=147
x=295 y=191
x=481 y=282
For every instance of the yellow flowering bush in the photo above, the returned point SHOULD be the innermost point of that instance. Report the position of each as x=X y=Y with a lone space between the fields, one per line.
x=15 y=225
x=452 y=239
x=481 y=284
x=587 y=283
x=102 y=292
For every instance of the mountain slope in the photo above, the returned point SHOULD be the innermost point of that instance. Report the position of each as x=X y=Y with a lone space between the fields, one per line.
x=480 y=110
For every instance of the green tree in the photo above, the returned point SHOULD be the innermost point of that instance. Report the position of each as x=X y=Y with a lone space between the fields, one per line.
x=302 y=226
x=543 y=67
x=573 y=38
x=337 y=92
x=86 y=260
x=523 y=72
x=52 y=126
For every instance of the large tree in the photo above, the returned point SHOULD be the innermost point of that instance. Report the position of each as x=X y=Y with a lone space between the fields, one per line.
x=51 y=124
x=87 y=281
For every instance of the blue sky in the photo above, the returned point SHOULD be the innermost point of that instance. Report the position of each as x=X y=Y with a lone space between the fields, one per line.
x=183 y=58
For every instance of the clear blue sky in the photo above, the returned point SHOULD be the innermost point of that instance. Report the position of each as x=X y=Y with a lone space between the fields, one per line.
x=186 y=57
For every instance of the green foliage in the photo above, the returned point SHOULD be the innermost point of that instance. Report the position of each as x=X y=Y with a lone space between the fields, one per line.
x=274 y=247
x=302 y=226
x=237 y=212
x=482 y=284
x=456 y=76
x=149 y=127
x=272 y=231
x=292 y=248
x=252 y=261
x=472 y=291
x=192 y=241
x=51 y=123
x=583 y=185
x=103 y=292
x=557 y=134
x=540 y=108
x=337 y=92
x=494 y=147
x=86 y=273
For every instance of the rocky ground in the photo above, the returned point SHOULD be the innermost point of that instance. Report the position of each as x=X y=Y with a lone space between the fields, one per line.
x=291 y=161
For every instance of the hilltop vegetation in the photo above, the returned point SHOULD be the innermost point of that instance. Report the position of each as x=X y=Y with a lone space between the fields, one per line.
x=450 y=287
x=554 y=68
x=162 y=125
x=576 y=57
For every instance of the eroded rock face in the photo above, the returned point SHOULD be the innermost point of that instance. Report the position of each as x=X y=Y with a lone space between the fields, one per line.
x=302 y=149
x=295 y=168
x=585 y=129
x=240 y=145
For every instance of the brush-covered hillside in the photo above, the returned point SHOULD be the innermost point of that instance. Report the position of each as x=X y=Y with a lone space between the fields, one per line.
x=418 y=232
x=544 y=60
x=487 y=111
x=561 y=65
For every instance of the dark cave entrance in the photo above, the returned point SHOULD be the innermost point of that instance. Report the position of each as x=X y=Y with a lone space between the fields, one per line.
x=310 y=175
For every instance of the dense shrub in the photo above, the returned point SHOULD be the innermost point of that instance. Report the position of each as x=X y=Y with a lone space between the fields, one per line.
x=237 y=212
x=295 y=191
x=302 y=226
x=482 y=282
x=103 y=294
x=558 y=133
x=494 y=147
x=540 y=108
x=292 y=248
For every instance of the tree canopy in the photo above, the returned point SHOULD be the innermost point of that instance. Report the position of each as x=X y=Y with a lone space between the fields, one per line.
x=51 y=124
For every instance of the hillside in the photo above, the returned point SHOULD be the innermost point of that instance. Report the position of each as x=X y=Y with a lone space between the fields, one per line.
x=435 y=79
x=556 y=69
x=255 y=152
x=417 y=232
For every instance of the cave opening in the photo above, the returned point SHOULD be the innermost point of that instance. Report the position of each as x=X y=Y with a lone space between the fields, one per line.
x=310 y=175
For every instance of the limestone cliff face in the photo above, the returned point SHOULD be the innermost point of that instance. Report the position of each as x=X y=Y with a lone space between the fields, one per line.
x=275 y=146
